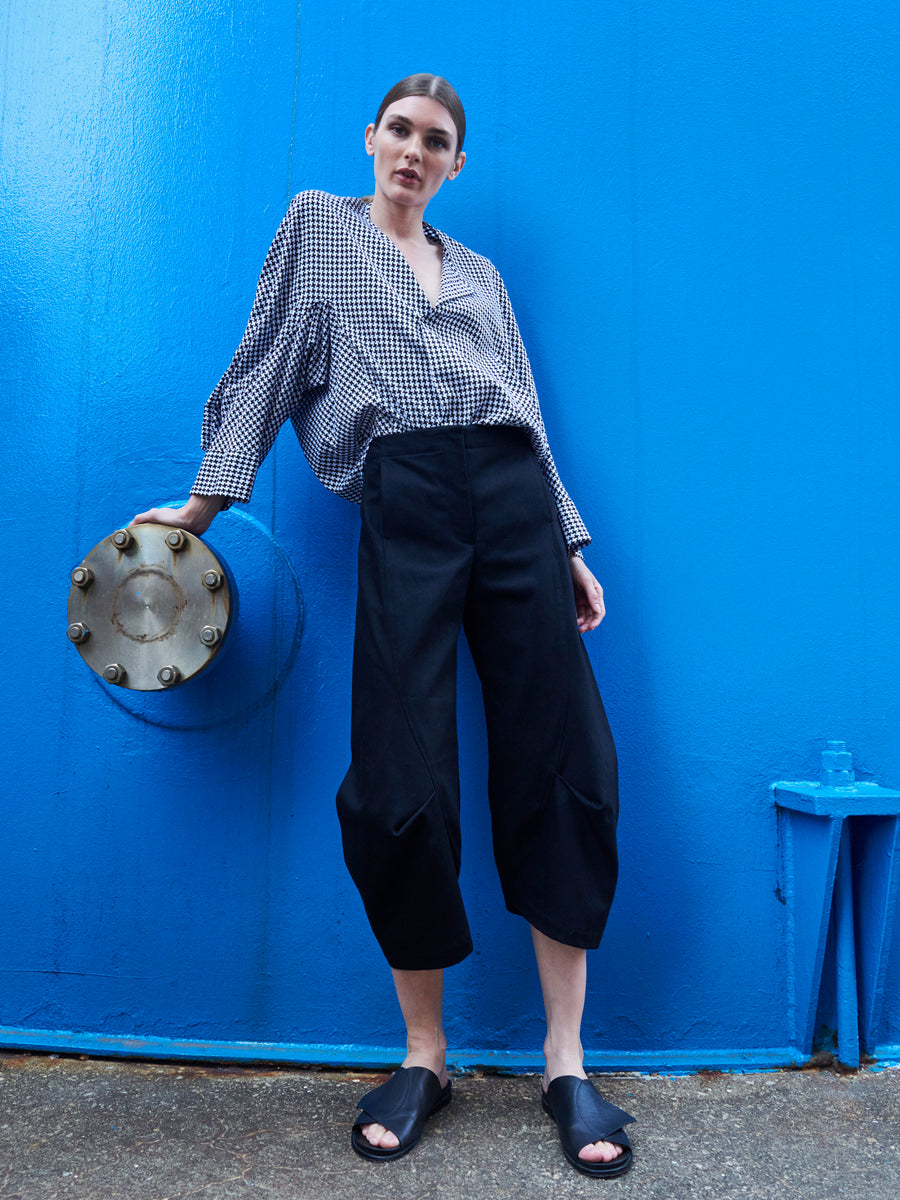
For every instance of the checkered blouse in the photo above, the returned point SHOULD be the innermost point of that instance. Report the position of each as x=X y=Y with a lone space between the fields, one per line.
x=343 y=341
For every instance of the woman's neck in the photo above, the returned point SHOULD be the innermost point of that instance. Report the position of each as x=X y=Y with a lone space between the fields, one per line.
x=400 y=222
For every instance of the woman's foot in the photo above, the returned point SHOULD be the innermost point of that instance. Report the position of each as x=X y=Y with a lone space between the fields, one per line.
x=435 y=1061
x=584 y=1119
x=560 y=1064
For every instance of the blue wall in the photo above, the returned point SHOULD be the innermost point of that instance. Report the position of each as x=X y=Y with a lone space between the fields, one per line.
x=694 y=207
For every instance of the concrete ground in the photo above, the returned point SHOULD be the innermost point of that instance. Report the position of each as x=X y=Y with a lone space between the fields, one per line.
x=95 y=1129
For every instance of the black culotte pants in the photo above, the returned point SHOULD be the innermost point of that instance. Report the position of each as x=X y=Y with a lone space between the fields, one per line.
x=459 y=529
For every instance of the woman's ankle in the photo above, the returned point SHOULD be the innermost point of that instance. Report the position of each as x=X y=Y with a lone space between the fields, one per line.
x=435 y=1064
x=563 y=1057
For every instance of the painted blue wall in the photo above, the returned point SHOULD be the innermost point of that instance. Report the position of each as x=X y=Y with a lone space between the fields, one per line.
x=694 y=207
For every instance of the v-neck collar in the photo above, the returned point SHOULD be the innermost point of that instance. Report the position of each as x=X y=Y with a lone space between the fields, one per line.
x=453 y=283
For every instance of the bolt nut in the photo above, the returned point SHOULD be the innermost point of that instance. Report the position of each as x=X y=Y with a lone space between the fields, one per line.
x=123 y=539
x=210 y=635
x=82 y=577
x=176 y=540
x=168 y=676
x=78 y=632
x=114 y=673
x=213 y=580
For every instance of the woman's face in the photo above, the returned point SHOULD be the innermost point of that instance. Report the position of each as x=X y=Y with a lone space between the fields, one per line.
x=414 y=148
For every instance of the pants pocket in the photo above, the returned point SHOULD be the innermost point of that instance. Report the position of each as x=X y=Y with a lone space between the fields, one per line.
x=413 y=495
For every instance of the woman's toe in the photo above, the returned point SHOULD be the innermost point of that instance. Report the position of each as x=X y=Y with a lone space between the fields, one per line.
x=377 y=1135
x=600 y=1152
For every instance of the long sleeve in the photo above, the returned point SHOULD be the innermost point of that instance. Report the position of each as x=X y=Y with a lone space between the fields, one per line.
x=282 y=355
x=516 y=364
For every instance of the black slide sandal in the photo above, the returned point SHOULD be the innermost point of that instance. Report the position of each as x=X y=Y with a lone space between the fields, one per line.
x=583 y=1116
x=402 y=1105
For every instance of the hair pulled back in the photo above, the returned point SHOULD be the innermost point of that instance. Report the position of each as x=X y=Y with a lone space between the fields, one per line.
x=438 y=89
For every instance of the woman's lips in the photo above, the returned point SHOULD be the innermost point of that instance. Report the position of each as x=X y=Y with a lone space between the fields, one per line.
x=407 y=176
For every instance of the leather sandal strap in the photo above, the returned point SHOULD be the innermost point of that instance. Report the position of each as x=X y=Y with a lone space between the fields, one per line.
x=583 y=1116
x=404 y=1103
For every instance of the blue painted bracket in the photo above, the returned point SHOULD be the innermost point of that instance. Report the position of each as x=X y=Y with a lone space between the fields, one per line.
x=840 y=842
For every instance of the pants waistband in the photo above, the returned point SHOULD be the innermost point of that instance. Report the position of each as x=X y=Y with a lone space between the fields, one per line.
x=446 y=437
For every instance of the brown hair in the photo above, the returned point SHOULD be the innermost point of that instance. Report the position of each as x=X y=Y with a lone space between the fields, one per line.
x=438 y=89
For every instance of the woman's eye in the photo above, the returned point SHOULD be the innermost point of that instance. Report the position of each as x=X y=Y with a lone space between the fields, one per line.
x=398 y=129
x=439 y=143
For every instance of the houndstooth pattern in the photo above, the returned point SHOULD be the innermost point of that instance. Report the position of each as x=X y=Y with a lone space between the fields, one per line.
x=343 y=342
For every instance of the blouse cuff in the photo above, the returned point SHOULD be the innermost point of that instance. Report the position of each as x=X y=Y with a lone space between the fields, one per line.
x=228 y=473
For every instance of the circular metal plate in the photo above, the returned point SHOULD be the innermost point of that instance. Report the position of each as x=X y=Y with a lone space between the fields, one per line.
x=150 y=607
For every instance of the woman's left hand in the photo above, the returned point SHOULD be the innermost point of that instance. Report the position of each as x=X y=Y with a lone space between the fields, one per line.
x=589 y=605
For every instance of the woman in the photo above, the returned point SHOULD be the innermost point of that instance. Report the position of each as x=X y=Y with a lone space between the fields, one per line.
x=395 y=353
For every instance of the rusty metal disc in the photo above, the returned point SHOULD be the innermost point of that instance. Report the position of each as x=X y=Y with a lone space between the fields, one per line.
x=150 y=607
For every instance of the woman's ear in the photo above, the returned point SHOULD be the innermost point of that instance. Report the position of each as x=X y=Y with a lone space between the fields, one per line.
x=370 y=139
x=458 y=165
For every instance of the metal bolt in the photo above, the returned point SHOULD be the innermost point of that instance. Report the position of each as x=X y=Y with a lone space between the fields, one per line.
x=114 y=673
x=176 y=540
x=168 y=676
x=82 y=577
x=837 y=766
x=123 y=539
x=78 y=632
x=213 y=580
x=210 y=635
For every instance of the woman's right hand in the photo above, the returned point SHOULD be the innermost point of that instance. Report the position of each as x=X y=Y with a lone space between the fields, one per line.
x=195 y=517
